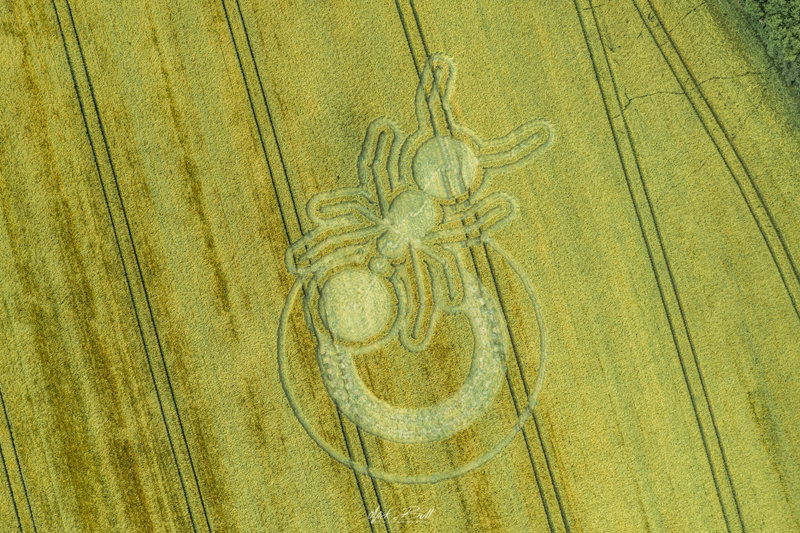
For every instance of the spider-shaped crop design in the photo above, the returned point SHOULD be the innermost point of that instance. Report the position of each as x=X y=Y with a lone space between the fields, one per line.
x=403 y=235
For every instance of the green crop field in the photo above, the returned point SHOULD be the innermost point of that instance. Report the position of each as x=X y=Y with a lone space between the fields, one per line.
x=399 y=266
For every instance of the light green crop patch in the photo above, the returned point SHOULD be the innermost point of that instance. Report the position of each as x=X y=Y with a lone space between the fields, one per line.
x=778 y=24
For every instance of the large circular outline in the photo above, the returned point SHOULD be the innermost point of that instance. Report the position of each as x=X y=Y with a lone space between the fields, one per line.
x=390 y=477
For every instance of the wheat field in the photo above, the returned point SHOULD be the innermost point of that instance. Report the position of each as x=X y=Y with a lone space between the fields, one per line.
x=157 y=160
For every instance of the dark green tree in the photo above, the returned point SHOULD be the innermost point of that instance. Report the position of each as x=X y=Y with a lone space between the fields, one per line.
x=778 y=24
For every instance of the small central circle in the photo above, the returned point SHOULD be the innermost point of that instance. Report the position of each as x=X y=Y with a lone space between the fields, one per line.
x=444 y=167
x=355 y=304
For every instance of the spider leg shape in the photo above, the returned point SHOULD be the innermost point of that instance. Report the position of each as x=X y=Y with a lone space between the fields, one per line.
x=482 y=218
x=338 y=238
x=347 y=216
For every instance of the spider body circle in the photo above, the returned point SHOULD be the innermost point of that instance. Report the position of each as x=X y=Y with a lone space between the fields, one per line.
x=355 y=304
x=444 y=167
x=411 y=216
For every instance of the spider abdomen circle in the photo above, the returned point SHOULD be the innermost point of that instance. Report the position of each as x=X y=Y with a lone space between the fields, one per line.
x=355 y=304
